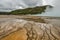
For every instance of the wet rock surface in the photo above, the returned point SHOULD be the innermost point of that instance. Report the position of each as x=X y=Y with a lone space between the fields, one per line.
x=19 y=29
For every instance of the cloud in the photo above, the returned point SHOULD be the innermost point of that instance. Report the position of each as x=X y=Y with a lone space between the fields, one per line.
x=55 y=10
x=31 y=2
x=11 y=4
x=15 y=4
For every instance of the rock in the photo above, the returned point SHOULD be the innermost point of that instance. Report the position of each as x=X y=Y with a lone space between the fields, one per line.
x=19 y=29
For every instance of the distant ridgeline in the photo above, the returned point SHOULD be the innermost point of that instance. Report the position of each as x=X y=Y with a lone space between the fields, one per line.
x=34 y=10
x=4 y=13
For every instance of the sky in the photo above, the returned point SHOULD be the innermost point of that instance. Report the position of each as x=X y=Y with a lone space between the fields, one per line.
x=8 y=5
x=55 y=10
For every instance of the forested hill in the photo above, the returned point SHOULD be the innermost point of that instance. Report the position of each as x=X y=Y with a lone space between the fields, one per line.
x=4 y=13
x=34 y=10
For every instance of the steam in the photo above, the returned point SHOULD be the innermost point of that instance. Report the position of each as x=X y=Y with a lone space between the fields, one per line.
x=8 y=5
x=55 y=11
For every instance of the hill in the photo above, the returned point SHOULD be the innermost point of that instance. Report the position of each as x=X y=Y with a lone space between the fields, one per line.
x=34 y=10
x=4 y=13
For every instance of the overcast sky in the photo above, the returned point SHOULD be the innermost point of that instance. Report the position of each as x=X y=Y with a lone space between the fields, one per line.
x=55 y=11
x=8 y=5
